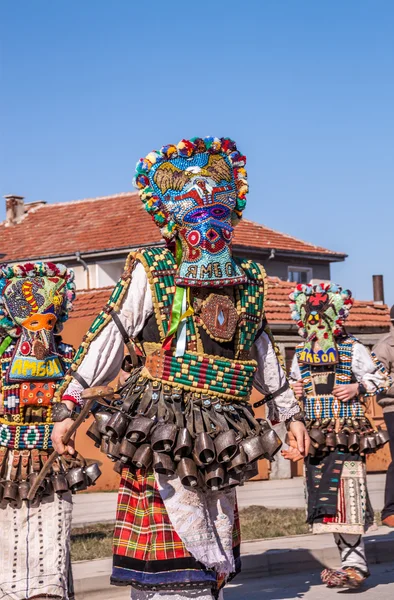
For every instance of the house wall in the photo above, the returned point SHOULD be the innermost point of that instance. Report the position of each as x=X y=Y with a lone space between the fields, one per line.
x=81 y=280
x=101 y=270
x=74 y=330
x=279 y=268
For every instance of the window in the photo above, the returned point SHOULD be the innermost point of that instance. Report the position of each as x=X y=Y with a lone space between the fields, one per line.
x=299 y=274
x=108 y=273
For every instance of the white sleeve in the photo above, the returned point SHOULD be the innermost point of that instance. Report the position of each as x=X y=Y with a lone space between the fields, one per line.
x=367 y=371
x=295 y=372
x=270 y=378
x=105 y=355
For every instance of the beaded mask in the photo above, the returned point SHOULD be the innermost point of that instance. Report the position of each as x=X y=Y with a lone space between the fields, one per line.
x=195 y=192
x=320 y=311
x=34 y=302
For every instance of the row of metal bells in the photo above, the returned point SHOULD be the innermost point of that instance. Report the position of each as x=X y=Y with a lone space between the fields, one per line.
x=167 y=438
x=204 y=453
x=14 y=490
x=220 y=460
x=78 y=478
x=213 y=477
x=75 y=479
x=348 y=440
x=191 y=471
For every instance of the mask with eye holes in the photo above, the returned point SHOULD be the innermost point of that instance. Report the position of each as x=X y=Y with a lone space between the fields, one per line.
x=34 y=301
x=195 y=192
x=320 y=312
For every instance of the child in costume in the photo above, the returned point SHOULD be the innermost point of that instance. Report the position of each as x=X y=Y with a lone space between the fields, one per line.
x=183 y=428
x=334 y=374
x=35 y=300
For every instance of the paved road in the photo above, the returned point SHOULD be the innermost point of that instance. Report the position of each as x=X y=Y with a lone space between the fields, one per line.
x=289 y=493
x=280 y=493
x=306 y=585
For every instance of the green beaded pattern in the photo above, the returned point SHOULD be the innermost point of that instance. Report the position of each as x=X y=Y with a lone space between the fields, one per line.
x=191 y=335
x=210 y=374
x=160 y=266
x=250 y=304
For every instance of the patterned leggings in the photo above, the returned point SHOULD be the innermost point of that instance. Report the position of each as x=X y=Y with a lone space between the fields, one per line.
x=352 y=550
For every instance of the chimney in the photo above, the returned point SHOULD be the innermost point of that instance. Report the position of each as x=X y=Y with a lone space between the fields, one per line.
x=15 y=209
x=378 y=289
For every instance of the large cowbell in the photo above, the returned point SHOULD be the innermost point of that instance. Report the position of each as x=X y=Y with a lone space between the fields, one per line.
x=200 y=194
x=34 y=305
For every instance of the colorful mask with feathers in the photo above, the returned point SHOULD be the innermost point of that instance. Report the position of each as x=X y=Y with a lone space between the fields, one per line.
x=196 y=193
x=35 y=299
x=320 y=311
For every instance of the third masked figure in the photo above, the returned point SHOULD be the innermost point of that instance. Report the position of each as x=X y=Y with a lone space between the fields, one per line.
x=336 y=376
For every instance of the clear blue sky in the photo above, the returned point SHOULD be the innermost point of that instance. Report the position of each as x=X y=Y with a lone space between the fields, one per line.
x=306 y=89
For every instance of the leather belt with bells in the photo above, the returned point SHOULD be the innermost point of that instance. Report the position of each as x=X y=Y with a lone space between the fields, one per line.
x=3 y=456
x=15 y=465
x=43 y=457
x=35 y=460
x=25 y=455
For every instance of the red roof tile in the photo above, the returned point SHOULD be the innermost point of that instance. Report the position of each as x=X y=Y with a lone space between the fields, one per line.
x=363 y=314
x=115 y=222
x=89 y=303
x=253 y=235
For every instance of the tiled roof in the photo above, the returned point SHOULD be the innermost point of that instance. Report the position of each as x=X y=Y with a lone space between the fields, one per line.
x=253 y=235
x=115 y=222
x=363 y=314
x=89 y=303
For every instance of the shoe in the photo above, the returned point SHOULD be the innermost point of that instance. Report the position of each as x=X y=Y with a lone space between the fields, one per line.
x=348 y=577
x=388 y=521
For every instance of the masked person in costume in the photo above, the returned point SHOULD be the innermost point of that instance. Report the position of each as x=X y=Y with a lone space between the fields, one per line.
x=34 y=535
x=182 y=426
x=334 y=375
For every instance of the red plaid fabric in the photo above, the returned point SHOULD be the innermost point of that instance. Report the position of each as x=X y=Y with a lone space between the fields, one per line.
x=143 y=530
x=148 y=553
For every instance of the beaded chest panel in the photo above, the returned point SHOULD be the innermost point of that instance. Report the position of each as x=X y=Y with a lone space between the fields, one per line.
x=25 y=410
x=325 y=405
x=196 y=370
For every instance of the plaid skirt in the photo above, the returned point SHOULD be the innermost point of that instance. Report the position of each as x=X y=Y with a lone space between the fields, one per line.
x=148 y=553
